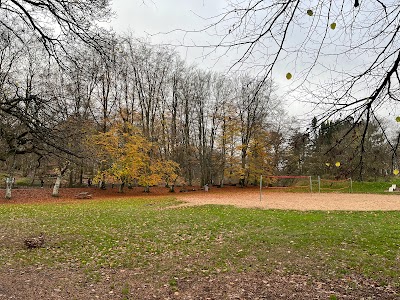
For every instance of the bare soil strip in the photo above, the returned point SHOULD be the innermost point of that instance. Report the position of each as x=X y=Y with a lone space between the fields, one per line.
x=295 y=201
x=240 y=197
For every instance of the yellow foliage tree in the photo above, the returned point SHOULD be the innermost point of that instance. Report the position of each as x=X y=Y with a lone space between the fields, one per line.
x=230 y=146
x=259 y=158
x=126 y=155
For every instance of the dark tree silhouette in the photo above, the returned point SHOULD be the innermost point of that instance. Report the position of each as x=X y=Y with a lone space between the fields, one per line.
x=55 y=22
x=344 y=56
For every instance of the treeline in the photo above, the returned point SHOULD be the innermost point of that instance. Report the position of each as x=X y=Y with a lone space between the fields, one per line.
x=211 y=127
x=345 y=148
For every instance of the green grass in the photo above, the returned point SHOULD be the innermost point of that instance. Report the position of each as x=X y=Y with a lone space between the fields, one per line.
x=378 y=187
x=362 y=187
x=193 y=241
x=332 y=186
x=24 y=181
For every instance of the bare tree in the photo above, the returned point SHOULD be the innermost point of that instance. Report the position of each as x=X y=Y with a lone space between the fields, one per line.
x=341 y=56
x=151 y=68
x=201 y=98
x=75 y=20
x=253 y=107
x=31 y=108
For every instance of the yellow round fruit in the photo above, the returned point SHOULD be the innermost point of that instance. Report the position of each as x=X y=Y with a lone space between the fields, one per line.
x=337 y=164
x=396 y=172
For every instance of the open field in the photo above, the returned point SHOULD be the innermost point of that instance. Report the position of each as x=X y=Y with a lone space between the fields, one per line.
x=241 y=197
x=157 y=247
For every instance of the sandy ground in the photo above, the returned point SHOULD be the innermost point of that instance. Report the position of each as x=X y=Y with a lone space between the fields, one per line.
x=241 y=197
x=295 y=201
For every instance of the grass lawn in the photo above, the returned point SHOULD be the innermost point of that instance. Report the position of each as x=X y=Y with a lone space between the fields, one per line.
x=145 y=236
x=342 y=186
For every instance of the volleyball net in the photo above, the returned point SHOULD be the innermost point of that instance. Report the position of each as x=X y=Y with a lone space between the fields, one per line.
x=339 y=186
x=287 y=182
x=292 y=183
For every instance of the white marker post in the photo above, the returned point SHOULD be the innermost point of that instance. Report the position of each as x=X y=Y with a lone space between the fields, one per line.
x=260 y=187
x=351 y=185
x=319 y=184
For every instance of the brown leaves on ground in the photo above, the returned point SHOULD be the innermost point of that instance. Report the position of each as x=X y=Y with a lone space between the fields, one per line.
x=39 y=283
x=37 y=195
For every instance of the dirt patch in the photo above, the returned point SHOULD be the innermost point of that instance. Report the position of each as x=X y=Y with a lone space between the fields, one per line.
x=241 y=197
x=250 y=197
x=38 y=283
x=43 y=195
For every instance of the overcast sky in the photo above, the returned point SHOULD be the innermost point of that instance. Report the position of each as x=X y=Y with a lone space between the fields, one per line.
x=151 y=18
x=165 y=22
x=154 y=16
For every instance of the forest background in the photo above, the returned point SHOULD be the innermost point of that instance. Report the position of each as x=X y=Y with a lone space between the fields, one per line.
x=115 y=109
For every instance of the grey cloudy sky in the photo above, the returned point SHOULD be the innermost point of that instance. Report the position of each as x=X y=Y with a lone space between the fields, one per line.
x=157 y=16
x=151 y=18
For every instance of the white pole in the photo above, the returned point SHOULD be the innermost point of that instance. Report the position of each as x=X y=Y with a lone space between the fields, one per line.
x=319 y=184
x=351 y=185
x=260 y=187
x=310 y=185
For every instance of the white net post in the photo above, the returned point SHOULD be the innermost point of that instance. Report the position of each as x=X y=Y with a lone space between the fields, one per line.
x=261 y=187
x=310 y=185
x=351 y=185
x=319 y=184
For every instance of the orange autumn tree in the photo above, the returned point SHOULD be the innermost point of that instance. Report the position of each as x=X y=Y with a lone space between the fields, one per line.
x=126 y=155
x=259 y=160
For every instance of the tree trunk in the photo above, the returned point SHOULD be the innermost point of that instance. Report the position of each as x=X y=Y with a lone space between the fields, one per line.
x=103 y=182
x=121 y=187
x=222 y=170
x=56 y=187
x=81 y=176
x=71 y=179
x=8 y=187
